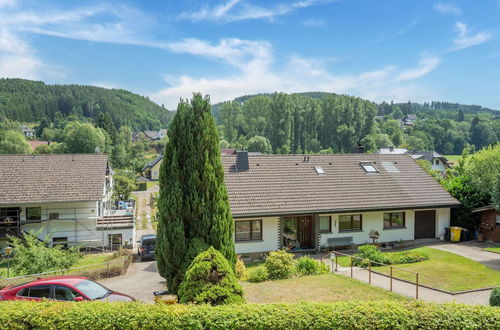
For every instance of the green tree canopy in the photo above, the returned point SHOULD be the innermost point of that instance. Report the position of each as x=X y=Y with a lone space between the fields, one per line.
x=14 y=142
x=483 y=169
x=259 y=144
x=193 y=201
x=83 y=138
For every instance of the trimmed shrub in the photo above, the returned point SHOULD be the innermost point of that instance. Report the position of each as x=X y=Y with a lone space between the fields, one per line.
x=210 y=280
x=372 y=253
x=258 y=274
x=342 y=315
x=495 y=297
x=309 y=266
x=279 y=264
x=240 y=269
x=409 y=257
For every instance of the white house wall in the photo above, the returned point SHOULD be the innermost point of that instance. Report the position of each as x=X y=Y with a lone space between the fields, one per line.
x=375 y=221
x=442 y=221
x=270 y=237
x=371 y=220
x=77 y=221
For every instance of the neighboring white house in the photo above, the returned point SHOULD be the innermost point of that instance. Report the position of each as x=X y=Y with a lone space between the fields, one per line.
x=65 y=196
x=28 y=131
x=304 y=202
x=409 y=119
x=438 y=161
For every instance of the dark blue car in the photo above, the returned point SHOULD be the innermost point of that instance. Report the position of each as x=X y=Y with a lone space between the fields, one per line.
x=146 y=248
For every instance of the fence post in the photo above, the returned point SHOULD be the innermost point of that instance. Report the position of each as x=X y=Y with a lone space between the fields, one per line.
x=369 y=272
x=416 y=288
x=351 y=265
x=336 y=261
x=391 y=278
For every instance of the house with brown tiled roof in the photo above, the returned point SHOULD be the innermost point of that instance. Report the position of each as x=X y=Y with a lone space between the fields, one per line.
x=305 y=202
x=65 y=196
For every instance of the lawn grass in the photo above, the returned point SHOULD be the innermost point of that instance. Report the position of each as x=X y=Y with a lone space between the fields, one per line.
x=497 y=250
x=447 y=271
x=316 y=288
x=151 y=184
x=86 y=260
x=453 y=158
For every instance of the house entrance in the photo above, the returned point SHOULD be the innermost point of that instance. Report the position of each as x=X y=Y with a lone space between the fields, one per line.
x=298 y=233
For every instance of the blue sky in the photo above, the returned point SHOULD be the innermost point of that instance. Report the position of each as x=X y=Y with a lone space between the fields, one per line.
x=380 y=50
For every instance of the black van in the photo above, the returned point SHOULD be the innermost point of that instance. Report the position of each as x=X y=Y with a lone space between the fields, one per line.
x=146 y=248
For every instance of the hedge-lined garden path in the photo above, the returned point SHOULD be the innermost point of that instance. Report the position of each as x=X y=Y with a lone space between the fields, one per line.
x=425 y=294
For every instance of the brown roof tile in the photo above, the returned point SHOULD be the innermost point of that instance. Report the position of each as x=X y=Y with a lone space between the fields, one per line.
x=52 y=178
x=285 y=184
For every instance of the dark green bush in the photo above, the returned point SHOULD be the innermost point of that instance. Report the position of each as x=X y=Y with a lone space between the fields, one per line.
x=343 y=315
x=308 y=266
x=258 y=274
x=210 y=280
x=279 y=265
x=409 y=257
x=495 y=297
x=372 y=253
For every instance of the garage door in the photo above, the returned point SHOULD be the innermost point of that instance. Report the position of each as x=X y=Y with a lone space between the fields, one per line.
x=425 y=224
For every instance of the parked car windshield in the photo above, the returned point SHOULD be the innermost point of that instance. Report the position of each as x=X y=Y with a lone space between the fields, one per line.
x=92 y=289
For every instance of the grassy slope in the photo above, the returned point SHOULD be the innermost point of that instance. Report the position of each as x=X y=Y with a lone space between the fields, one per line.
x=496 y=249
x=317 y=288
x=86 y=260
x=444 y=270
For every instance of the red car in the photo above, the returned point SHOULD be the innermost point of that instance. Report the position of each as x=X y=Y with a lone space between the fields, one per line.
x=63 y=288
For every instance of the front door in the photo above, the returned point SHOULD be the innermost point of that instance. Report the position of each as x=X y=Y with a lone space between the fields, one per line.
x=298 y=233
x=306 y=232
x=425 y=224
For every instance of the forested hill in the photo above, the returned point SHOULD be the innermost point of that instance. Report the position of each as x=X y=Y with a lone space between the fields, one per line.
x=31 y=101
x=327 y=122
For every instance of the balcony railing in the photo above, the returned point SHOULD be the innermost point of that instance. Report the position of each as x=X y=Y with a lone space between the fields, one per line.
x=116 y=221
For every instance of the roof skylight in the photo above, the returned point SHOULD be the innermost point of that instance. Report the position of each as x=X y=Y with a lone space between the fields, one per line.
x=390 y=167
x=369 y=167
x=319 y=170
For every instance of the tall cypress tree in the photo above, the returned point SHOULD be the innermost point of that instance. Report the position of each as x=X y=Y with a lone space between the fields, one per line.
x=194 y=208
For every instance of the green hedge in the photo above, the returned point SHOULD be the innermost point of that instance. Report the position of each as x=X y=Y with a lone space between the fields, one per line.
x=345 y=315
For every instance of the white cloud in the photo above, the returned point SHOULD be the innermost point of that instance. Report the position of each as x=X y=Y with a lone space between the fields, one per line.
x=254 y=61
x=116 y=24
x=426 y=65
x=7 y=3
x=446 y=8
x=314 y=22
x=465 y=39
x=237 y=10
x=17 y=59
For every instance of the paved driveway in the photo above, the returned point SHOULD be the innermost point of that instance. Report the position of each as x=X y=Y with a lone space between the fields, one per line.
x=141 y=280
x=473 y=250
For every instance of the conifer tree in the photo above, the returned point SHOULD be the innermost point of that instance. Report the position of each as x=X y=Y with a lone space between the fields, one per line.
x=194 y=208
